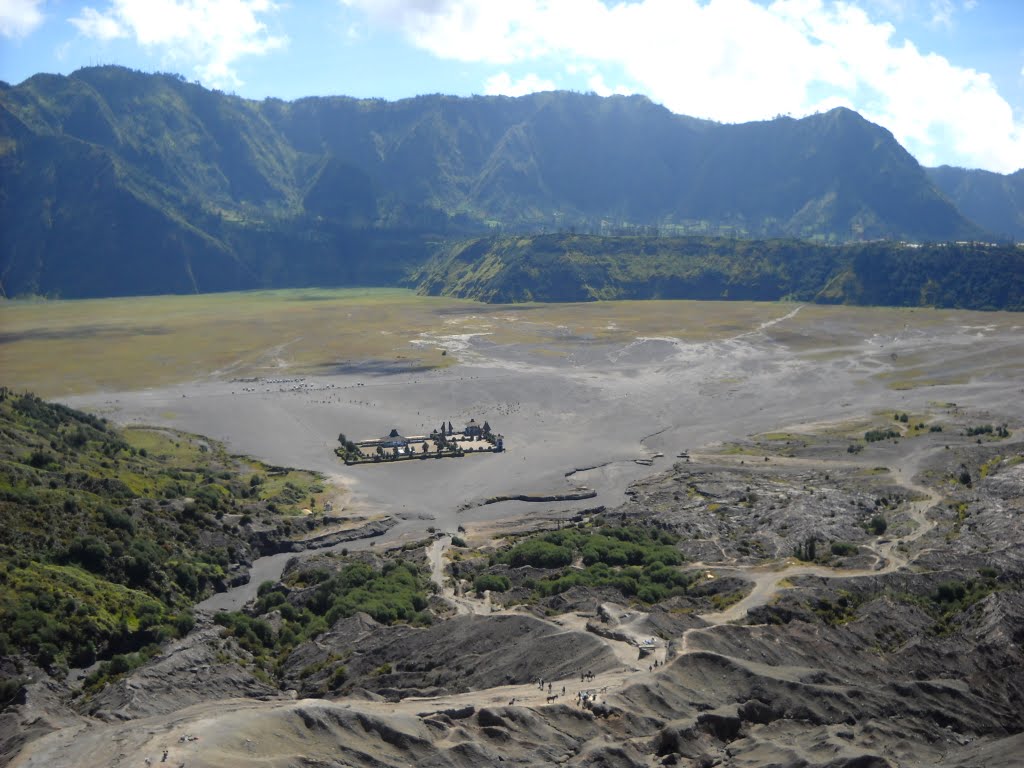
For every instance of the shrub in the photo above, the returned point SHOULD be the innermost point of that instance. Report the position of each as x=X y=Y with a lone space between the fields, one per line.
x=949 y=592
x=338 y=677
x=40 y=459
x=539 y=554
x=491 y=582
x=877 y=435
x=90 y=553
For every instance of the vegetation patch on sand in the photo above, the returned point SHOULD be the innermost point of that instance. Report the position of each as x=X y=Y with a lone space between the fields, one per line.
x=311 y=600
x=638 y=561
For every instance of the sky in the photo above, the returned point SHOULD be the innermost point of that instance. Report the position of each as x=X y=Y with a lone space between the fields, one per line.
x=946 y=77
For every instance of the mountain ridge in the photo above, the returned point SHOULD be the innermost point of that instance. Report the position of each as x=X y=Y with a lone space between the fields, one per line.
x=993 y=200
x=576 y=268
x=117 y=182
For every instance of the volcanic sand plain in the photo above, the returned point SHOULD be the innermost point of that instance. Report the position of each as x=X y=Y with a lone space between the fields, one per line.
x=589 y=397
x=579 y=391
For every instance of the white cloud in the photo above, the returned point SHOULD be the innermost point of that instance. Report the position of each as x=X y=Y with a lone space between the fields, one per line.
x=597 y=84
x=211 y=35
x=942 y=13
x=502 y=84
x=736 y=60
x=94 y=24
x=19 y=18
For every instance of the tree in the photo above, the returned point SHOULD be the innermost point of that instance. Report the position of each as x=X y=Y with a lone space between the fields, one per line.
x=486 y=428
x=450 y=430
x=424 y=446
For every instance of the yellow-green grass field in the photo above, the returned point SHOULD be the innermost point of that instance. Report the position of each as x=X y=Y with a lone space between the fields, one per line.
x=62 y=348
x=59 y=348
x=292 y=489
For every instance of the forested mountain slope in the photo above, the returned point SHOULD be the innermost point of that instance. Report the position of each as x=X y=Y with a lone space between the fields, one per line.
x=993 y=200
x=587 y=268
x=117 y=182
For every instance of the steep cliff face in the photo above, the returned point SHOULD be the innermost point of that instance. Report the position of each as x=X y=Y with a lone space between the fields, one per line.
x=118 y=182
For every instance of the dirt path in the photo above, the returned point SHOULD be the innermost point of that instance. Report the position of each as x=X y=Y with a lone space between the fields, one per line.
x=463 y=604
x=768 y=582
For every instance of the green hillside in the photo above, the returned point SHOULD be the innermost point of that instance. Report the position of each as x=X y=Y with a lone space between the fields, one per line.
x=587 y=268
x=110 y=535
x=995 y=201
x=116 y=182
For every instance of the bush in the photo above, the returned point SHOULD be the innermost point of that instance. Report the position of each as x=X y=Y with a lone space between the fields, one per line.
x=10 y=689
x=539 y=554
x=485 y=582
x=90 y=553
x=877 y=435
x=40 y=459
x=878 y=525
x=949 y=592
x=338 y=677
x=844 y=548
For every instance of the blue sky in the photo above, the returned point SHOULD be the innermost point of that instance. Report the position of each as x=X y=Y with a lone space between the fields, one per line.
x=945 y=76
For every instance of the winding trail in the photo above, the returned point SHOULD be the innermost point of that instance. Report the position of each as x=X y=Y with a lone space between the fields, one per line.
x=767 y=579
x=767 y=583
x=149 y=736
x=463 y=605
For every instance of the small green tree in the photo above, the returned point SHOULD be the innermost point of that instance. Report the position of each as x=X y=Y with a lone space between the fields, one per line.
x=491 y=582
